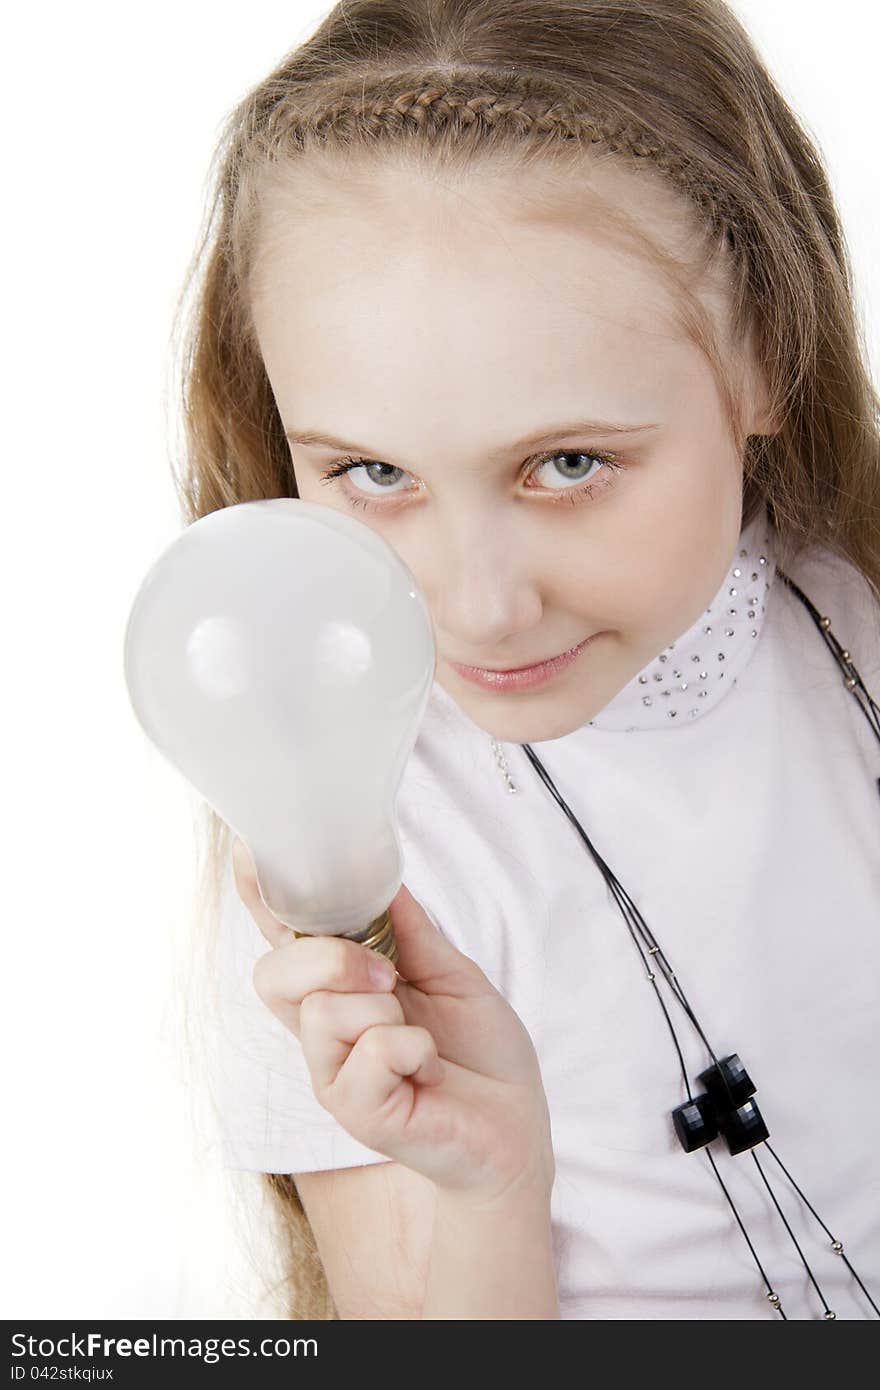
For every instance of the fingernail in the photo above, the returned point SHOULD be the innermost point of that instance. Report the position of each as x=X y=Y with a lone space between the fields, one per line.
x=381 y=971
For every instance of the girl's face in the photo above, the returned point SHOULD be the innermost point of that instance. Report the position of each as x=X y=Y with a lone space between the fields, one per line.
x=459 y=338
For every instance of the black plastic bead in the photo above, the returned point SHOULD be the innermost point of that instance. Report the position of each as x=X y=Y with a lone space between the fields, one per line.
x=743 y=1128
x=696 y=1123
x=730 y=1070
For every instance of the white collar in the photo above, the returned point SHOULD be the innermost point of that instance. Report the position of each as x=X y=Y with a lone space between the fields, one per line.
x=696 y=671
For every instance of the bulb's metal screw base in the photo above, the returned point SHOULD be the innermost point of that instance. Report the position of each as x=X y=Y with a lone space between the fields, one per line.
x=379 y=937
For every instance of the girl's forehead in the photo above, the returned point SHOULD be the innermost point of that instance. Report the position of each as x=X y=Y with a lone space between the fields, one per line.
x=549 y=273
x=379 y=356
x=515 y=251
x=490 y=298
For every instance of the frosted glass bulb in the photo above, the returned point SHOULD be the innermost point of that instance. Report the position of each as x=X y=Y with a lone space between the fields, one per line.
x=280 y=655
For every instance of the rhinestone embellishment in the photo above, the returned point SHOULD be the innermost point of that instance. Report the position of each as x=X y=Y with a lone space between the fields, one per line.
x=732 y=626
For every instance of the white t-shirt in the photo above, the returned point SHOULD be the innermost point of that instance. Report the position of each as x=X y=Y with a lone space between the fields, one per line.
x=749 y=839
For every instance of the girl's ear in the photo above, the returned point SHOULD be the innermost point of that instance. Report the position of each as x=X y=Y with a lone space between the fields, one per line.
x=763 y=421
x=760 y=419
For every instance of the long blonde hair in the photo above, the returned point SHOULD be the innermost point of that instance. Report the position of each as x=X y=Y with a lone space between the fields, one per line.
x=675 y=88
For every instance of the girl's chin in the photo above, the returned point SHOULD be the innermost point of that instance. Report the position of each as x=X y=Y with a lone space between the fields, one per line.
x=537 y=718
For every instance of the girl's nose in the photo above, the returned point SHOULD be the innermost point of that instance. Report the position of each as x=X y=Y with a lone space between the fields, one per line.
x=482 y=590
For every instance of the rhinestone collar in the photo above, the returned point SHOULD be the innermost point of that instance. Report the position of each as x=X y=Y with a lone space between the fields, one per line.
x=687 y=680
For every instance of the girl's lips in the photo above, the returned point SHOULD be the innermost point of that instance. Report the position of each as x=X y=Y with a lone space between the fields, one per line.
x=527 y=676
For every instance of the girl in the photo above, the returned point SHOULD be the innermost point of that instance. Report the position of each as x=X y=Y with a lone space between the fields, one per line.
x=571 y=325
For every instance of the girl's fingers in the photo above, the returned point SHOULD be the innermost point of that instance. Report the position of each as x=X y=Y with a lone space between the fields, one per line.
x=284 y=977
x=382 y=1058
x=330 y=1025
x=275 y=932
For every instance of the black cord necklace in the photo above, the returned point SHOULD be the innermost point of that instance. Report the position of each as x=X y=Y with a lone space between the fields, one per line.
x=725 y=1106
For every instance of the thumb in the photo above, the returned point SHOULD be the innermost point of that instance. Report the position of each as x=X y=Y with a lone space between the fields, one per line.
x=425 y=957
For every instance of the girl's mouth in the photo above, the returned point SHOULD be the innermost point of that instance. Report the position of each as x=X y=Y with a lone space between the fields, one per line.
x=523 y=677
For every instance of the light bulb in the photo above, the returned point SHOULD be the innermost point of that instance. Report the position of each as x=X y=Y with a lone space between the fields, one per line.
x=280 y=655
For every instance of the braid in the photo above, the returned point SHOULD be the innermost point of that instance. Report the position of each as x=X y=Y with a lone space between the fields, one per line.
x=373 y=110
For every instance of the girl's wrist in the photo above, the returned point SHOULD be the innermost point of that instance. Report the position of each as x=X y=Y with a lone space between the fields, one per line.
x=492 y=1254
x=533 y=1184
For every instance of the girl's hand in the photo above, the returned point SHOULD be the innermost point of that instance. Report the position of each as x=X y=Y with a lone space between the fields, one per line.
x=431 y=1067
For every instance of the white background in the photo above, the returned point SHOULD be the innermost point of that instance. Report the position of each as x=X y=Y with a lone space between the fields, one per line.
x=115 y=1204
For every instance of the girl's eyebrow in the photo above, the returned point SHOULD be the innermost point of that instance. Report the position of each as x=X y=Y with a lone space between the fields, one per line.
x=309 y=438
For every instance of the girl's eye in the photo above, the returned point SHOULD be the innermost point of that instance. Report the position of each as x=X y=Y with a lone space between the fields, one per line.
x=579 y=465
x=580 y=471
